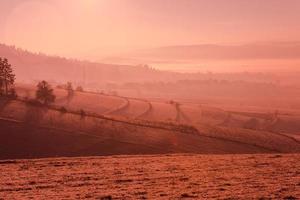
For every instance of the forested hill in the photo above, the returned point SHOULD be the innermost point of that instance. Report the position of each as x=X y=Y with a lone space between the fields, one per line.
x=31 y=66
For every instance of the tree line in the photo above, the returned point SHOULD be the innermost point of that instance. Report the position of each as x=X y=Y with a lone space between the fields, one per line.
x=44 y=93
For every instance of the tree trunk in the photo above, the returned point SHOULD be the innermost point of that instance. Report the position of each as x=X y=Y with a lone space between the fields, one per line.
x=1 y=87
x=5 y=82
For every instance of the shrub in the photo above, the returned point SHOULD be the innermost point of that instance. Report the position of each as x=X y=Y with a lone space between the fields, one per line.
x=79 y=89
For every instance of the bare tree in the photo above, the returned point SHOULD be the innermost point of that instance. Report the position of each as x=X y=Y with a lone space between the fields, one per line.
x=44 y=93
x=7 y=77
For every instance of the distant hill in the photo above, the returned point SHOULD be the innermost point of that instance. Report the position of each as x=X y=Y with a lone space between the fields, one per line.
x=37 y=66
x=252 y=57
x=30 y=66
x=264 y=50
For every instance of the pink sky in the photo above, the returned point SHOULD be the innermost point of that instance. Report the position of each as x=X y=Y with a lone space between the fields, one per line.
x=94 y=28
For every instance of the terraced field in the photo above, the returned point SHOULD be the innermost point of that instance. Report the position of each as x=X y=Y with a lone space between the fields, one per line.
x=96 y=103
x=38 y=132
x=121 y=125
x=134 y=108
x=153 y=177
x=161 y=111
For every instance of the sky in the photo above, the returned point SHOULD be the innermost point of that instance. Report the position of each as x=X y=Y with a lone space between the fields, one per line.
x=90 y=29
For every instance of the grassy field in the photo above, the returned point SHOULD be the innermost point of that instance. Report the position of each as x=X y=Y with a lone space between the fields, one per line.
x=174 y=176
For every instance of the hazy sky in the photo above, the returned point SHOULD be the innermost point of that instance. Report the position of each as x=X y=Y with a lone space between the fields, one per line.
x=88 y=28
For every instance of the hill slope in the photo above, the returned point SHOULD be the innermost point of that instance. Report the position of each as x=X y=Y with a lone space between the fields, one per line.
x=31 y=131
x=28 y=131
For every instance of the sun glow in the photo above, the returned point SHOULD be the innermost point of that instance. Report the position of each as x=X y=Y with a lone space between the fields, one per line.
x=88 y=4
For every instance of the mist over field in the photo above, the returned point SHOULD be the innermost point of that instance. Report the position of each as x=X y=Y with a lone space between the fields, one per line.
x=138 y=99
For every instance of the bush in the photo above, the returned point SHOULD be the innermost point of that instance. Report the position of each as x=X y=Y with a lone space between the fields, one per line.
x=79 y=89
x=60 y=87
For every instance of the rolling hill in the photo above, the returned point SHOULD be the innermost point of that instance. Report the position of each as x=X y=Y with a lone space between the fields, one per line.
x=120 y=125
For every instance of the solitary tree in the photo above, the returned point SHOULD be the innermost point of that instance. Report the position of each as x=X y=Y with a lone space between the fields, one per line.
x=70 y=90
x=7 y=77
x=44 y=93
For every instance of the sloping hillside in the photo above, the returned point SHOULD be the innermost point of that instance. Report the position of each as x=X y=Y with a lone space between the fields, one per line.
x=28 y=131
x=119 y=125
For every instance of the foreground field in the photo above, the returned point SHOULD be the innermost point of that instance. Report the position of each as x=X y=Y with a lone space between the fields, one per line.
x=255 y=176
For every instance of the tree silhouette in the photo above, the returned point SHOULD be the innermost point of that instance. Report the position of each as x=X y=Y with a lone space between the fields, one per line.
x=70 y=90
x=44 y=93
x=7 y=77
